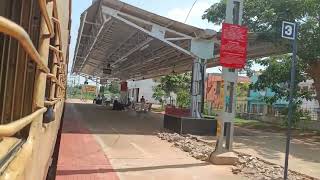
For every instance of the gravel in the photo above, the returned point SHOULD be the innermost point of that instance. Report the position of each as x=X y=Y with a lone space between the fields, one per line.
x=248 y=166
x=258 y=169
x=189 y=144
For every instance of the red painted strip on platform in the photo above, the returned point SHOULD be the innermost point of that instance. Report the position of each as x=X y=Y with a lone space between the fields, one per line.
x=80 y=156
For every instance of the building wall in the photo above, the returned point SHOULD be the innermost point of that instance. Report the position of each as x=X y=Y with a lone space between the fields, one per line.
x=215 y=92
x=145 y=89
x=256 y=102
x=259 y=107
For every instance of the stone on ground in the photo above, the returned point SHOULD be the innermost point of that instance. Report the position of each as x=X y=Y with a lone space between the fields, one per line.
x=227 y=158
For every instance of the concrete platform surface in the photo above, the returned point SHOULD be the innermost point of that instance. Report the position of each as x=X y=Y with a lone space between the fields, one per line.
x=80 y=156
x=123 y=145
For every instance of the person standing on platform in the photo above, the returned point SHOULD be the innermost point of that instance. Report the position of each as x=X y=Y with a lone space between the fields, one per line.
x=143 y=102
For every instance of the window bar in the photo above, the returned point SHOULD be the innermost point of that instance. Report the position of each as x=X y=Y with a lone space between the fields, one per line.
x=2 y=75
x=45 y=14
x=58 y=52
x=4 y=117
x=55 y=19
x=52 y=77
x=51 y=103
x=12 y=128
x=57 y=22
x=19 y=54
x=25 y=60
x=52 y=88
x=12 y=29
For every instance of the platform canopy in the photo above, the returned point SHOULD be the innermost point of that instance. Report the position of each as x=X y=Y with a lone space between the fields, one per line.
x=137 y=44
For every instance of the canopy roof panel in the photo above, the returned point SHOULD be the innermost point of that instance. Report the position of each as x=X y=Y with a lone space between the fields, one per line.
x=138 y=44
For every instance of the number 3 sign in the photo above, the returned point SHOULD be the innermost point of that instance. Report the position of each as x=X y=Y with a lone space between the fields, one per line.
x=288 y=30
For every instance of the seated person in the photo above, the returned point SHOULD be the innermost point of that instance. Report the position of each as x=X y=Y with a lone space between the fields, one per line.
x=98 y=100
x=103 y=99
x=117 y=106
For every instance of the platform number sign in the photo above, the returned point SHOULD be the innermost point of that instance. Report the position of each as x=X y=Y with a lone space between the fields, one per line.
x=288 y=30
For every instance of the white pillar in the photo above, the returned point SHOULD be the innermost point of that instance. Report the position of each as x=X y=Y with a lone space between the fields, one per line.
x=195 y=92
x=230 y=77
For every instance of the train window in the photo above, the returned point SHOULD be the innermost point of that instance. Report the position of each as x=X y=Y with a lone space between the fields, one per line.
x=17 y=71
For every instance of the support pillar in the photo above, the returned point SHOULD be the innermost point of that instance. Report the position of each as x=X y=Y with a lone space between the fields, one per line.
x=202 y=89
x=203 y=50
x=124 y=92
x=226 y=118
x=195 y=89
x=97 y=88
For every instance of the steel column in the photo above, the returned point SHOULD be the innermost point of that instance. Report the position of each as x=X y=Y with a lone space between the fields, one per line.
x=195 y=91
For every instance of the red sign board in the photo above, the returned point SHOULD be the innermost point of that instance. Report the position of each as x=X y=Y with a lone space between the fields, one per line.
x=233 y=51
x=123 y=86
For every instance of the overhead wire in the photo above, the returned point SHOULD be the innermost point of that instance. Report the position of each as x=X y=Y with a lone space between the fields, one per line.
x=190 y=11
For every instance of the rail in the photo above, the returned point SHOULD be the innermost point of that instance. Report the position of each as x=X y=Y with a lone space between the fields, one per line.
x=61 y=86
x=12 y=29
x=52 y=77
x=55 y=80
x=12 y=128
x=55 y=20
x=51 y=103
x=55 y=49
x=44 y=12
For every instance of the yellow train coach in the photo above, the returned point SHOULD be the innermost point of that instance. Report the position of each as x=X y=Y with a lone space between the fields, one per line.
x=34 y=47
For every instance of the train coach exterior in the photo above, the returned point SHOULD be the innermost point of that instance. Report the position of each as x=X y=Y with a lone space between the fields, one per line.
x=34 y=50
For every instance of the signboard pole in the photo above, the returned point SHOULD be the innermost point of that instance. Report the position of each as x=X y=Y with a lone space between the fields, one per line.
x=234 y=13
x=292 y=88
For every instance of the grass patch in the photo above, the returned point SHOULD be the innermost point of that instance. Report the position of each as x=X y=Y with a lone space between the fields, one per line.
x=254 y=124
x=157 y=109
x=270 y=127
x=209 y=117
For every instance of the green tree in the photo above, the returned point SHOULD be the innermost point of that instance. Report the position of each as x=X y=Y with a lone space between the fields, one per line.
x=276 y=77
x=242 y=89
x=101 y=90
x=265 y=18
x=183 y=98
x=114 y=88
x=159 y=94
x=174 y=84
